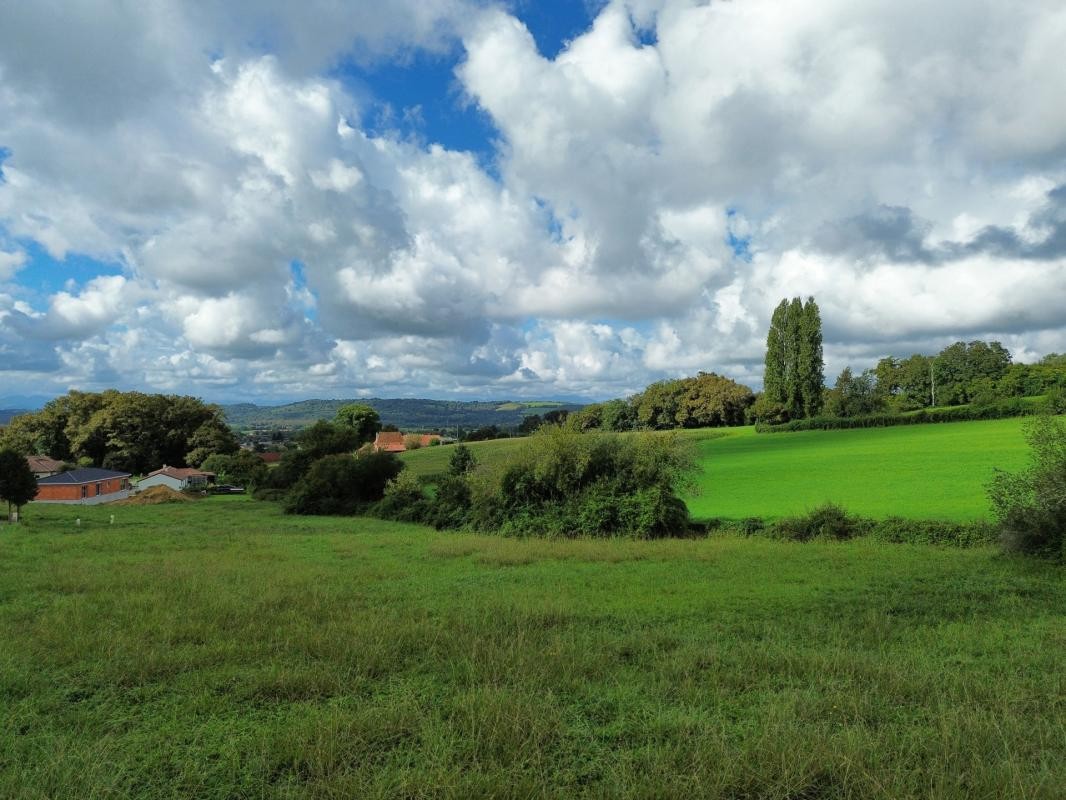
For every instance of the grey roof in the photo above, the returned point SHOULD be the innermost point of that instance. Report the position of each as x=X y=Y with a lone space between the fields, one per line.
x=87 y=475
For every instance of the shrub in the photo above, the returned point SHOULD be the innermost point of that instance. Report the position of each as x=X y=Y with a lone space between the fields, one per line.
x=451 y=506
x=932 y=531
x=828 y=521
x=566 y=484
x=1055 y=400
x=1030 y=506
x=461 y=460
x=342 y=484
x=404 y=500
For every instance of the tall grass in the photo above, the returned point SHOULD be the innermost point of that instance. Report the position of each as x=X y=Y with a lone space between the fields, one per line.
x=219 y=649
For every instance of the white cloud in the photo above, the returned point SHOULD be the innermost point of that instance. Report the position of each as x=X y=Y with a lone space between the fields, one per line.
x=650 y=202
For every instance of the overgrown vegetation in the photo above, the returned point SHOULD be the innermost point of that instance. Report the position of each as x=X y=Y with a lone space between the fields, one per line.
x=831 y=522
x=998 y=409
x=561 y=484
x=1030 y=505
x=342 y=484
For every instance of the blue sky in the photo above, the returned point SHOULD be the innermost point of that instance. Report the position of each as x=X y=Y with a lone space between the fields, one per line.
x=471 y=199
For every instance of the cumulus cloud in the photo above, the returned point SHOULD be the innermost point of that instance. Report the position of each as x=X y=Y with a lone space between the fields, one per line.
x=657 y=187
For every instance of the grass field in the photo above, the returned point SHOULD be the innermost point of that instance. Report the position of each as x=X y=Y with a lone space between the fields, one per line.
x=218 y=649
x=921 y=471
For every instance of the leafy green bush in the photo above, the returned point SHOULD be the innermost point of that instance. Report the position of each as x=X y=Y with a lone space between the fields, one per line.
x=828 y=521
x=451 y=505
x=832 y=522
x=563 y=483
x=404 y=500
x=933 y=531
x=461 y=460
x=342 y=484
x=1030 y=506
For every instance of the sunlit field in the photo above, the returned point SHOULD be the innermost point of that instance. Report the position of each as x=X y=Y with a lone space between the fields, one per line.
x=218 y=649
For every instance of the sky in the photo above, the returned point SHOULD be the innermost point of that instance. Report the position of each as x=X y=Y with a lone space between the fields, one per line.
x=267 y=201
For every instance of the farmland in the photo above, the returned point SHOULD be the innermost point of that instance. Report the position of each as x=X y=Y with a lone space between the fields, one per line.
x=925 y=471
x=219 y=649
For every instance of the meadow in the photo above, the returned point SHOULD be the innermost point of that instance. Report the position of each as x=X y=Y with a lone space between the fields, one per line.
x=219 y=649
x=917 y=472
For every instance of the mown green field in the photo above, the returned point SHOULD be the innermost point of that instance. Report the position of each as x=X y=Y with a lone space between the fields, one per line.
x=922 y=471
x=218 y=649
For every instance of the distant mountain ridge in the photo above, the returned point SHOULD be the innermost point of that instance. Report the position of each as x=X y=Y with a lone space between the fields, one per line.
x=406 y=414
x=6 y=414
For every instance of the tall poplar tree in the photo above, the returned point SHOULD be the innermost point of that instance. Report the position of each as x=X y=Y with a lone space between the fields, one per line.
x=794 y=367
x=794 y=375
x=774 y=376
x=811 y=368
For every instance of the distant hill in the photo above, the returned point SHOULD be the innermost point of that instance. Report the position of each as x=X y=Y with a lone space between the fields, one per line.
x=405 y=414
x=6 y=414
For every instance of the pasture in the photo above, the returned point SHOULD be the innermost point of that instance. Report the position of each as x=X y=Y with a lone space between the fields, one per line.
x=218 y=649
x=922 y=471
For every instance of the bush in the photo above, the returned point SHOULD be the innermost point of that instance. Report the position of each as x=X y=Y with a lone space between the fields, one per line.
x=461 y=460
x=832 y=522
x=451 y=505
x=1030 y=506
x=1055 y=400
x=828 y=521
x=342 y=484
x=567 y=484
x=404 y=500
x=933 y=531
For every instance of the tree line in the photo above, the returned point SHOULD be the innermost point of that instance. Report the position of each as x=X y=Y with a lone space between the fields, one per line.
x=964 y=373
x=128 y=431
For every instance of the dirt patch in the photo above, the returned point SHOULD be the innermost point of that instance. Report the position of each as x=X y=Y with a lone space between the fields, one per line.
x=155 y=496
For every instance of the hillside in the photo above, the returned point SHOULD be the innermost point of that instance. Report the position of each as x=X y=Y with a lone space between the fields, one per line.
x=406 y=414
x=7 y=414
x=924 y=471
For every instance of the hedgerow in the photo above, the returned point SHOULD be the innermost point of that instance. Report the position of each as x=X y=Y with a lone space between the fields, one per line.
x=831 y=522
x=1001 y=409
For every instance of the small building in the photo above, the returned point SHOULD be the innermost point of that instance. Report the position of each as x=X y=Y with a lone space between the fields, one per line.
x=397 y=442
x=177 y=478
x=43 y=466
x=84 y=486
x=389 y=442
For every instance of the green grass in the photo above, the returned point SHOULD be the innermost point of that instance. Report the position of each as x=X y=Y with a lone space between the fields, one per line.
x=430 y=461
x=219 y=649
x=922 y=471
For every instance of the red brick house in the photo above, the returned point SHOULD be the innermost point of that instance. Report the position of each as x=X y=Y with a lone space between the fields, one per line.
x=270 y=458
x=84 y=487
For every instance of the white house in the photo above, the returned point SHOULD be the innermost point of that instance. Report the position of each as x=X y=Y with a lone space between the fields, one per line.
x=177 y=478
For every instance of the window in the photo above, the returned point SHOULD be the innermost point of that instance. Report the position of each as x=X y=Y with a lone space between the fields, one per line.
x=99 y=487
x=84 y=492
